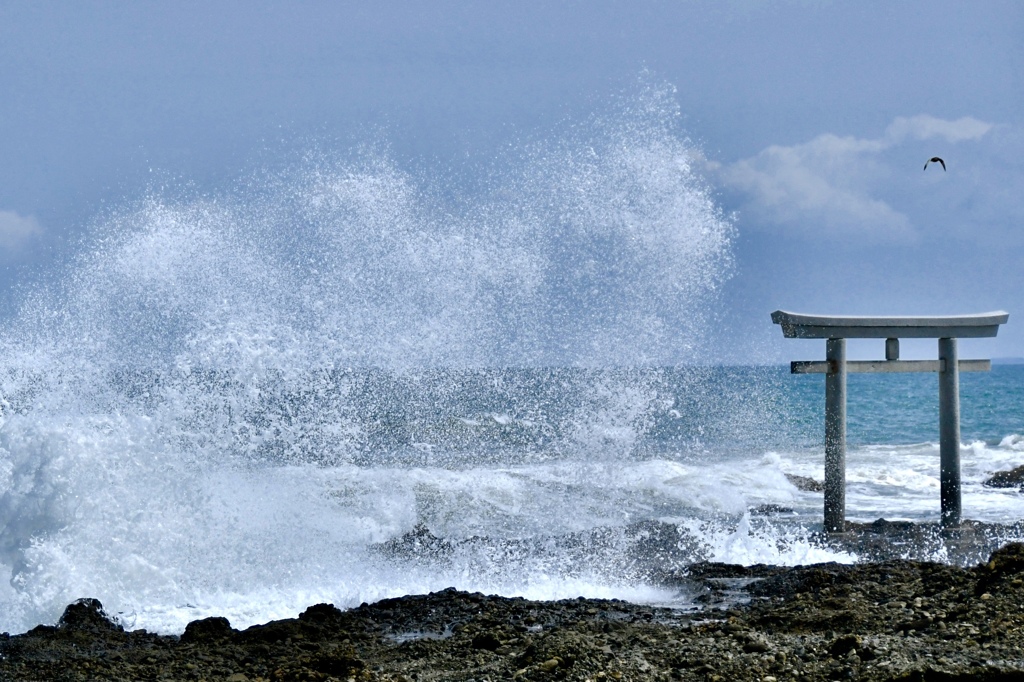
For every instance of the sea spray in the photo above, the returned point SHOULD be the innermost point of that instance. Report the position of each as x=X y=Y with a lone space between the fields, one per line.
x=231 y=404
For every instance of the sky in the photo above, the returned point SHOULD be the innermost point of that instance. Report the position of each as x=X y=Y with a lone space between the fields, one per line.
x=812 y=120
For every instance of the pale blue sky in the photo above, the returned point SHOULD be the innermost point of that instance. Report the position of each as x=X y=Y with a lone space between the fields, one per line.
x=814 y=120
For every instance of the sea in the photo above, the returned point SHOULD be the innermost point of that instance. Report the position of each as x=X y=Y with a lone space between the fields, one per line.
x=343 y=379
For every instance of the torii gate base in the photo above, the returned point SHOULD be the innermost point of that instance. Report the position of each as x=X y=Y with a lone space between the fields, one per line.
x=836 y=329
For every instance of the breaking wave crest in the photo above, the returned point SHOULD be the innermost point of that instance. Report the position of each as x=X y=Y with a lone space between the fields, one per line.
x=220 y=407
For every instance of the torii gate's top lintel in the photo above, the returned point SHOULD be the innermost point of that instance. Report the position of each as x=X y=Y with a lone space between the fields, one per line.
x=800 y=326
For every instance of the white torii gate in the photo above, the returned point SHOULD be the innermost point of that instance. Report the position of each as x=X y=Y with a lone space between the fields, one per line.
x=836 y=329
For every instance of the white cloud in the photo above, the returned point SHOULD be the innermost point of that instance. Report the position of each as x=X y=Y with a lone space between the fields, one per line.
x=925 y=127
x=17 y=231
x=833 y=186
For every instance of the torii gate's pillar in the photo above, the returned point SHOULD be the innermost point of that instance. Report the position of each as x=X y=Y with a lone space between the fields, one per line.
x=949 y=432
x=835 y=436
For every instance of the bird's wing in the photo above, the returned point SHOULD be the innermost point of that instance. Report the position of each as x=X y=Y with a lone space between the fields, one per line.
x=943 y=164
x=925 y=165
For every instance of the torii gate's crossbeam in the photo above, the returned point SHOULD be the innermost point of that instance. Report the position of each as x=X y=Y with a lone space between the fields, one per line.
x=887 y=366
x=836 y=329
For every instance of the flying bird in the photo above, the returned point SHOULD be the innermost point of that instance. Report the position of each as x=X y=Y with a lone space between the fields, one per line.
x=935 y=159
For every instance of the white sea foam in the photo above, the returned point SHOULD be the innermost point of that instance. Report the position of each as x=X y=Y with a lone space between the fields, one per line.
x=183 y=432
x=1012 y=442
x=259 y=544
x=901 y=482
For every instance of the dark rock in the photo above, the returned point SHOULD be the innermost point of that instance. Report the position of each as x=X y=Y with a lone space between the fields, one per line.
x=486 y=641
x=843 y=645
x=880 y=540
x=275 y=631
x=756 y=646
x=806 y=483
x=341 y=664
x=901 y=529
x=320 y=613
x=658 y=545
x=917 y=625
x=41 y=630
x=207 y=630
x=802 y=579
x=1006 y=561
x=1006 y=479
x=419 y=542
x=770 y=509
x=708 y=570
x=87 y=614
x=812 y=623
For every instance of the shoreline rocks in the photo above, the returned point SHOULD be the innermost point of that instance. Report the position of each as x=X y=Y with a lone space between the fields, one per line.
x=888 y=620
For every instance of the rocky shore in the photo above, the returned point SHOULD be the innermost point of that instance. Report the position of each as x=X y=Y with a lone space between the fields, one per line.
x=890 y=620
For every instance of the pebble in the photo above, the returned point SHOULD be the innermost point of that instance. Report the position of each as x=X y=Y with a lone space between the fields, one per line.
x=756 y=647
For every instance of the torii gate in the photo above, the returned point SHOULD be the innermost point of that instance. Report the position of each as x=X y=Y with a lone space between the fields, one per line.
x=836 y=329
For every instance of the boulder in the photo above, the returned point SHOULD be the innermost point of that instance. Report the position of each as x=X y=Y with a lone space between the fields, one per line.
x=487 y=641
x=319 y=613
x=87 y=614
x=1006 y=479
x=806 y=483
x=1007 y=559
x=207 y=630
x=1005 y=562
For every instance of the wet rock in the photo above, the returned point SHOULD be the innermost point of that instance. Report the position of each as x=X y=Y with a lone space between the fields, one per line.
x=806 y=483
x=802 y=579
x=756 y=646
x=1005 y=564
x=87 y=614
x=915 y=625
x=770 y=510
x=320 y=613
x=1006 y=479
x=341 y=664
x=270 y=633
x=207 y=630
x=874 y=621
x=844 y=645
x=419 y=542
x=657 y=546
x=1007 y=559
x=486 y=641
